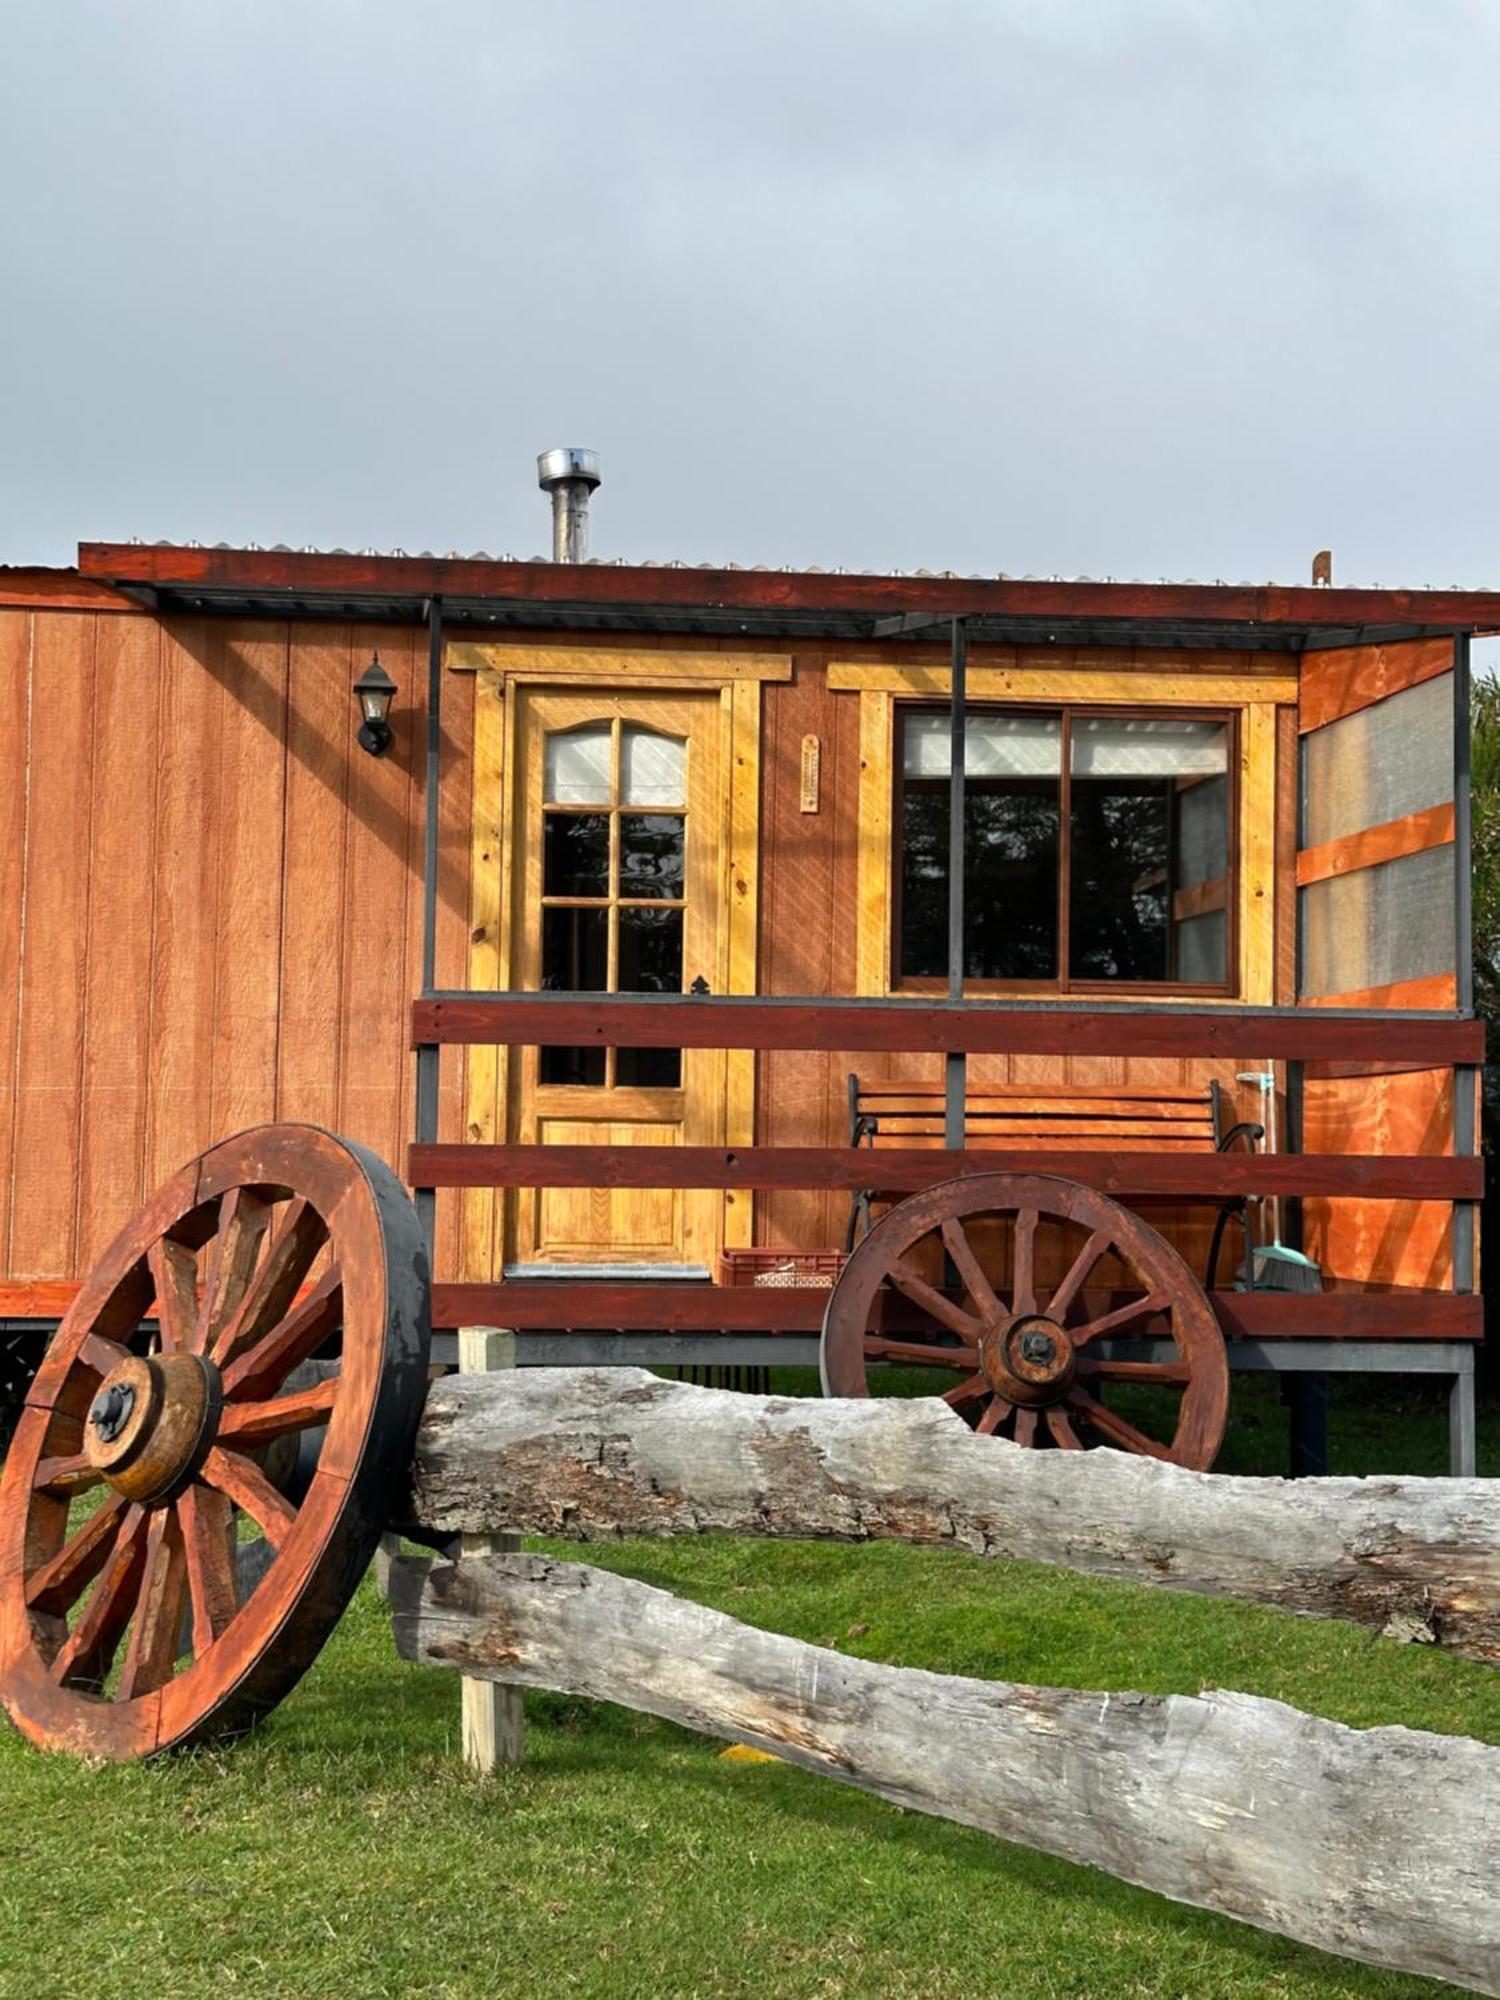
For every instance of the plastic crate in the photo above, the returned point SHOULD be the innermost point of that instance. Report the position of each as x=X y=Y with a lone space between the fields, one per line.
x=815 y=1270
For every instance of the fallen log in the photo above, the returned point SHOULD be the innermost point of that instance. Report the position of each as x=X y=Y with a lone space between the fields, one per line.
x=597 y=1454
x=1382 y=1844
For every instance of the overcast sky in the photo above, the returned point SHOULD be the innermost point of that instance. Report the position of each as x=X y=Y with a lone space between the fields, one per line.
x=1184 y=288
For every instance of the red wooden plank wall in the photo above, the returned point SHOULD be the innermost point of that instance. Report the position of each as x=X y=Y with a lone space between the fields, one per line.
x=210 y=905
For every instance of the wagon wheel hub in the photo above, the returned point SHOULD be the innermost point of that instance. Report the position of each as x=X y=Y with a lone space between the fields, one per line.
x=1028 y=1359
x=150 y=1426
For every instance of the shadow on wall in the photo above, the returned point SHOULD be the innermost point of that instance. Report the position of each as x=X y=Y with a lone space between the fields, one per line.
x=333 y=758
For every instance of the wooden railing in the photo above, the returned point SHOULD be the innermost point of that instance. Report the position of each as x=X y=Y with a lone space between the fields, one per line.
x=1323 y=1041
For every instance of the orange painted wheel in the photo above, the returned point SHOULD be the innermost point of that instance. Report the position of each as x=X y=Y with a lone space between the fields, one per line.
x=1012 y=1294
x=136 y=1612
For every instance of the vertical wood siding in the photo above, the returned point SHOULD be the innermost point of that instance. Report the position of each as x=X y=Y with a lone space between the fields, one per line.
x=210 y=905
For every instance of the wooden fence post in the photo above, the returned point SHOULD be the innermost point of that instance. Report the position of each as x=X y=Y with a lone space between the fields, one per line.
x=493 y=1718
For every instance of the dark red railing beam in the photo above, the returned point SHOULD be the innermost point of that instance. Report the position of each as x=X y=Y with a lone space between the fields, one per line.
x=671 y=1306
x=938 y=1027
x=903 y=1169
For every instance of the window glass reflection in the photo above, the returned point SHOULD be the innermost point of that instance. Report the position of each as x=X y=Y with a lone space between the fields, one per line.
x=650 y=951
x=575 y=854
x=651 y=854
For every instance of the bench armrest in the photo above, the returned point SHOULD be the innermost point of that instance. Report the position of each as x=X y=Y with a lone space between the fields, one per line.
x=1253 y=1136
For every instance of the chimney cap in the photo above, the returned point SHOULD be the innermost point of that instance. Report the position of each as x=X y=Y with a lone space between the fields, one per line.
x=567 y=462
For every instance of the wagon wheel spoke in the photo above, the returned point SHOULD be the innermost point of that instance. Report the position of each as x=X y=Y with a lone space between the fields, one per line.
x=57 y=1585
x=1099 y=1242
x=242 y=1481
x=100 y=1355
x=287 y=1341
x=269 y=1295
x=878 y=1348
x=937 y=1305
x=994 y=1415
x=151 y=1654
x=1062 y=1430
x=1173 y=1374
x=247 y=1426
x=967 y=1392
x=1153 y=1302
x=86 y=1655
x=65 y=1474
x=1023 y=1299
x=969 y=1268
x=244 y=1218
x=174 y=1272
x=1025 y=1431
x=207 y=1521
x=1115 y=1427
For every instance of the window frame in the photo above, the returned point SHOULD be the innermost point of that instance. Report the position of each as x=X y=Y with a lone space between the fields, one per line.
x=1067 y=713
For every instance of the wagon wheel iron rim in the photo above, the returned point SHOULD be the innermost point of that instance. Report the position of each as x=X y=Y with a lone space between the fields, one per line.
x=135 y=1615
x=1017 y=1357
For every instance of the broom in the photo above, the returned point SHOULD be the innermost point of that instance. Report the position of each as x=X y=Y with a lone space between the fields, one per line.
x=1275 y=1266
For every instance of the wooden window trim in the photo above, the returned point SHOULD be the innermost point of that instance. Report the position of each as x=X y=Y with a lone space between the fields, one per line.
x=1260 y=895
x=1067 y=713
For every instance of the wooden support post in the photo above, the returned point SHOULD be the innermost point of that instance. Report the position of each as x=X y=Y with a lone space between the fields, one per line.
x=493 y=1717
x=1462 y=1437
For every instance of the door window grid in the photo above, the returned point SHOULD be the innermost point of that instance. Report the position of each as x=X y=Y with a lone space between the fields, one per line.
x=614 y=850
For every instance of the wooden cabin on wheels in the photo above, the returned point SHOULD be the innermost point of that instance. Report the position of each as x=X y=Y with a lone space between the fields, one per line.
x=1057 y=992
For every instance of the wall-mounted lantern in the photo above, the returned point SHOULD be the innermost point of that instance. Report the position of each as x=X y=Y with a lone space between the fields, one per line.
x=374 y=691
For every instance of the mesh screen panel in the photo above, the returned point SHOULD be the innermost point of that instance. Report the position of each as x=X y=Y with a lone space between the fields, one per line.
x=1378 y=764
x=1377 y=925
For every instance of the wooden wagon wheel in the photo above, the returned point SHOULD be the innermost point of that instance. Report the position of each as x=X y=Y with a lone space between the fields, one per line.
x=130 y=1620
x=1018 y=1354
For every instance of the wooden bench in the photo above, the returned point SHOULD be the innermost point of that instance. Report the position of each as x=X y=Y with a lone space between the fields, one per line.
x=1081 y=1118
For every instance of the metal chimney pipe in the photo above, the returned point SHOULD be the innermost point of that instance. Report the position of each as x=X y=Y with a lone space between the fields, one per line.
x=570 y=476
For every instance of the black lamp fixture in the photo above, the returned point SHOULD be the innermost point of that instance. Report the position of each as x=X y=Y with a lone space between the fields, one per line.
x=373 y=691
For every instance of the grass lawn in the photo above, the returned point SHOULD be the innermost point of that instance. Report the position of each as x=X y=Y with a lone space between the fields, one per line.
x=344 y=1851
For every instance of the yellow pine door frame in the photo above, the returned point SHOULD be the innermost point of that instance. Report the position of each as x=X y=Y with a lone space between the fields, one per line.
x=619 y=838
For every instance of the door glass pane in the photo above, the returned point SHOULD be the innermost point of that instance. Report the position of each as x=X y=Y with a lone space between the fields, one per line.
x=650 y=962
x=649 y=1069
x=653 y=769
x=585 y=1066
x=651 y=847
x=575 y=951
x=650 y=951
x=575 y=959
x=577 y=766
x=575 y=854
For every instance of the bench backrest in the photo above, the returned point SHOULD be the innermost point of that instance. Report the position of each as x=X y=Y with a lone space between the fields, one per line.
x=1071 y=1117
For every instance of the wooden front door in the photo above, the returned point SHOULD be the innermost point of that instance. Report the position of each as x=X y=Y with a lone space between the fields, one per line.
x=618 y=863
